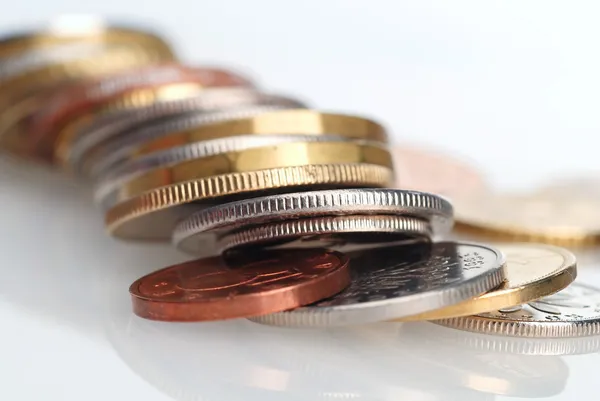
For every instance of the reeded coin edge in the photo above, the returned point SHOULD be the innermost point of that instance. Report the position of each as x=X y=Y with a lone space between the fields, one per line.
x=305 y=203
x=229 y=184
x=323 y=225
x=363 y=313
x=479 y=324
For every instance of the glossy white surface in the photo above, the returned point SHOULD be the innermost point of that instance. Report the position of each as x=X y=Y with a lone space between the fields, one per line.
x=511 y=85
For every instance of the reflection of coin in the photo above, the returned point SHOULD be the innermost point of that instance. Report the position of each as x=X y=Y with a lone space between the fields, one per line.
x=529 y=218
x=191 y=233
x=393 y=282
x=428 y=171
x=572 y=312
x=154 y=214
x=533 y=271
x=210 y=289
x=330 y=232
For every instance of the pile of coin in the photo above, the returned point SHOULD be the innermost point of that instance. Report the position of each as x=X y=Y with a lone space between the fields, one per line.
x=299 y=217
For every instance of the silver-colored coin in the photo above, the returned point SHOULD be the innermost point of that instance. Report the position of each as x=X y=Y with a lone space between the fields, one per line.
x=572 y=312
x=106 y=192
x=394 y=282
x=330 y=232
x=119 y=130
x=201 y=228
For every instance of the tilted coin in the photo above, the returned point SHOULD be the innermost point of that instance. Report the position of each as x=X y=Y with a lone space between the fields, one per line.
x=107 y=190
x=572 y=312
x=421 y=169
x=283 y=122
x=329 y=232
x=117 y=129
x=154 y=214
x=393 y=282
x=261 y=158
x=529 y=218
x=194 y=232
x=532 y=271
x=213 y=289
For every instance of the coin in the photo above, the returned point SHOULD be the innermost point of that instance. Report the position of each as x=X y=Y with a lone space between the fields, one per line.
x=107 y=190
x=153 y=215
x=115 y=131
x=532 y=271
x=193 y=232
x=212 y=289
x=393 y=282
x=283 y=122
x=556 y=220
x=421 y=169
x=336 y=231
x=572 y=312
x=253 y=159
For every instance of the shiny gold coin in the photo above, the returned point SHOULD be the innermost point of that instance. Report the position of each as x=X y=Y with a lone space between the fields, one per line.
x=531 y=218
x=532 y=271
x=285 y=122
x=275 y=156
x=153 y=215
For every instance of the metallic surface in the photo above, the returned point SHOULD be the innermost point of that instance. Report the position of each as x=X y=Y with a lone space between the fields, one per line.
x=421 y=169
x=330 y=232
x=191 y=234
x=111 y=128
x=572 y=312
x=535 y=218
x=213 y=289
x=106 y=192
x=262 y=158
x=393 y=282
x=532 y=271
x=154 y=214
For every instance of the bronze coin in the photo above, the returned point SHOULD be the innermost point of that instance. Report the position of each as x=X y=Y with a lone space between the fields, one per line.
x=216 y=289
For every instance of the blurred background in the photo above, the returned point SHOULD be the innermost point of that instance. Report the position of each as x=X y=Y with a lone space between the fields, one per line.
x=510 y=85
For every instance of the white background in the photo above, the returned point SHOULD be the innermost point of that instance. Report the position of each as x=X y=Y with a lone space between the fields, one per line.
x=513 y=86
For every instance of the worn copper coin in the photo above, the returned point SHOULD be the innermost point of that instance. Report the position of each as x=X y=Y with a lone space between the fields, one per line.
x=216 y=289
x=429 y=171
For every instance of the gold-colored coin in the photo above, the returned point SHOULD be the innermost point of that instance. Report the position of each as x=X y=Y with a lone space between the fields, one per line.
x=285 y=122
x=531 y=218
x=153 y=215
x=532 y=271
x=268 y=157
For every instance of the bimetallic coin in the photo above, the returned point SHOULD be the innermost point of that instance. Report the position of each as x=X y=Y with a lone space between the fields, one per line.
x=532 y=271
x=120 y=129
x=556 y=220
x=213 y=289
x=421 y=169
x=192 y=234
x=572 y=312
x=154 y=214
x=100 y=160
x=330 y=232
x=107 y=191
x=393 y=282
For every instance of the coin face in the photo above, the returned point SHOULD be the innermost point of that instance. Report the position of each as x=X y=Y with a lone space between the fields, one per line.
x=213 y=289
x=572 y=312
x=428 y=171
x=532 y=271
x=530 y=217
x=397 y=281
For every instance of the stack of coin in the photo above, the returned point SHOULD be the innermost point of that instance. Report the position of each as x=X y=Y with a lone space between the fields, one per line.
x=292 y=210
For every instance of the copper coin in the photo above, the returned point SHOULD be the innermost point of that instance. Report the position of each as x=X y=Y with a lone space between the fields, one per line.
x=69 y=104
x=216 y=289
x=429 y=171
